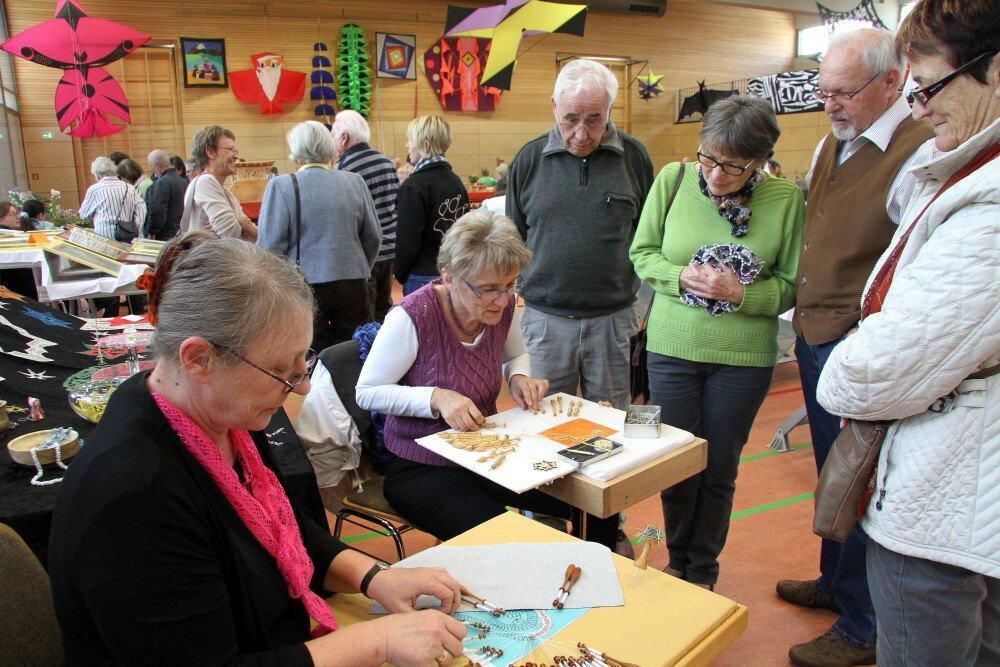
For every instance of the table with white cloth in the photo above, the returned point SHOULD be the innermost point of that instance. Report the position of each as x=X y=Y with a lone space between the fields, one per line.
x=88 y=285
x=644 y=466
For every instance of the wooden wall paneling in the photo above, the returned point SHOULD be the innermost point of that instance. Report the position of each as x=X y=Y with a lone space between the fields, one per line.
x=692 y=41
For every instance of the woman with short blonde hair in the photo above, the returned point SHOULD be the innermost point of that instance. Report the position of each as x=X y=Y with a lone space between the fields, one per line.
x=429 y=201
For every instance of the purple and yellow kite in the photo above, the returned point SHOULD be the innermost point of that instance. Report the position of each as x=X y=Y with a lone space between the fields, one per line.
x=506 y=25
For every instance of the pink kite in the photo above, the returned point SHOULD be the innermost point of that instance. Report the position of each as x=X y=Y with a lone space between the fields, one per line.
x=87 y=95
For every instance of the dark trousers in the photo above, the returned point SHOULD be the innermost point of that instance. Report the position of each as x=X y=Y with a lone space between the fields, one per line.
x=719 y=403
x=341 y=307
x=841 y=564
x=380 y=289
x=446 y=501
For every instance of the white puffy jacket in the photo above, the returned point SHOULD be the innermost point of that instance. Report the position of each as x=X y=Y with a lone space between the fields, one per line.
x=938 y=478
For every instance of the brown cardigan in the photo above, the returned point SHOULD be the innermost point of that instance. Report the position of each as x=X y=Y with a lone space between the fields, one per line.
x=846 y=231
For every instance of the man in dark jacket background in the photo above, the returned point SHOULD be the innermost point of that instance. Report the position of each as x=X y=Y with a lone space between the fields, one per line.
x=164 y=199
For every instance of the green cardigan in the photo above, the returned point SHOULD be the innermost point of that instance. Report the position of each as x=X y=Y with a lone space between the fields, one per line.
x=664 y=244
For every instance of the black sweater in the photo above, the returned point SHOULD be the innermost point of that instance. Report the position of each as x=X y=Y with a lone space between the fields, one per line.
x=151 y=565
x=428 y=203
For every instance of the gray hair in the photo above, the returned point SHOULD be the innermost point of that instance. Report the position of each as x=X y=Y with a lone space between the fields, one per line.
x=352 y=125
x=205 y=139
x=876 y=48
x=103 y=166
x=741 y=126
x=159 y=158
x=582 y=74
x=244 y=294
x=482 y=242
x=310 y=142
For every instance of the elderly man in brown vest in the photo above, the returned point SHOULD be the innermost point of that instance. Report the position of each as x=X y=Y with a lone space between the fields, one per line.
x=858 y=188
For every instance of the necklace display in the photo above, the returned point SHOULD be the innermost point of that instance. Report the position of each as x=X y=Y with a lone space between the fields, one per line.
x=458 y=323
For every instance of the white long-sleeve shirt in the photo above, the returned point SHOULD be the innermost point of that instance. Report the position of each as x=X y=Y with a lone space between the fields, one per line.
x=111 y=199
x=395 y=349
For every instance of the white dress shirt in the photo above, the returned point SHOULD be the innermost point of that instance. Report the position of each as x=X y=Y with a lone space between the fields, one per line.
x=327 y=431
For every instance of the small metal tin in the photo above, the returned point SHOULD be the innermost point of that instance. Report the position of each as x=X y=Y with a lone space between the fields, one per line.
x=642 y=421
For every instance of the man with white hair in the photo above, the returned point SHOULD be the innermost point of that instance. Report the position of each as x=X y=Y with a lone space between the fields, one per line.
x=164 y=199
x=576 y=194
x=350 y=137
x=858 y=188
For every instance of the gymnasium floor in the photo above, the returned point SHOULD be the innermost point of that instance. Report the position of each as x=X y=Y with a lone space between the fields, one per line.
x=770 y=537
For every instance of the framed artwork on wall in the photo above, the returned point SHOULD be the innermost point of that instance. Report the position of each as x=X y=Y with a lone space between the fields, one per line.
x=396 y=55
x=204 y=62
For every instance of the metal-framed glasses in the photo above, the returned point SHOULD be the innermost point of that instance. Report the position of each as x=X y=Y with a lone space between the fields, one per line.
x=588 y=124
x=292 y=383
x=709 y=162
x=821 y=95
x=924 y=95
x=494 y=294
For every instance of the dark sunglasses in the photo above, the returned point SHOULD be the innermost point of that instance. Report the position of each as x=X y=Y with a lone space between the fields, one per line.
x=924 y=95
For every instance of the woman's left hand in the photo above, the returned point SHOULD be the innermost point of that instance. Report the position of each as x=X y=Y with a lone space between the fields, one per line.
x=528 y=392
x=398 y=588
x=710 y=283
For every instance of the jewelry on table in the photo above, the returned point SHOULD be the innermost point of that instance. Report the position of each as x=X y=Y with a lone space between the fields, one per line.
x=544 y=465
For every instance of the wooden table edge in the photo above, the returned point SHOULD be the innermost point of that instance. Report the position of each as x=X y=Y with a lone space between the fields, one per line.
x=717 y=641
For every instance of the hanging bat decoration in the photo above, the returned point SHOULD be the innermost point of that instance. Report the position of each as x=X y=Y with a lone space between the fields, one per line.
x=87 y=96
x=700 y=101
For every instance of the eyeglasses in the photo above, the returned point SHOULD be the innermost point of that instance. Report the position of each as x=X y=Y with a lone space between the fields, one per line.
x=494 y=294
x=233 y=149
x=823 y=95
x=709 y=162
x=924 y=95
x=589 y=124
x=292 y=383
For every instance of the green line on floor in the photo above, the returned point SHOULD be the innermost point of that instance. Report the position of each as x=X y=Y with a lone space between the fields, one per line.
x=360 y=538
x=771 y=452
x=767 y=507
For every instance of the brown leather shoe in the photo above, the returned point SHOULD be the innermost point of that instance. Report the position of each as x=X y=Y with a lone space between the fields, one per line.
x=829 y=650
x=805 y=594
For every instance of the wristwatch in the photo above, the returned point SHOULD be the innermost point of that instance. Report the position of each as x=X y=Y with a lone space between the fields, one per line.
x=379 y=566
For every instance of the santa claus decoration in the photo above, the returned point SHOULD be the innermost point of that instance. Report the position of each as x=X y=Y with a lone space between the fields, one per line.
x=268 y=83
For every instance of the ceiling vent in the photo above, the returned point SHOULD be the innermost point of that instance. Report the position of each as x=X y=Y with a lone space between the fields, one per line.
x=634 y=7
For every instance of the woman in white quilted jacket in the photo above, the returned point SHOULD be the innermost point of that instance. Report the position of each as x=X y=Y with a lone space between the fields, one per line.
x=931 y=321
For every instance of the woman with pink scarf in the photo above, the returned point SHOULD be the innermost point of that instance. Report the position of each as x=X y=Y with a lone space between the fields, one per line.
x=173 y=541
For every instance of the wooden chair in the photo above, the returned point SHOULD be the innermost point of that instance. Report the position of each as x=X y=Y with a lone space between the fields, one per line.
x=366 y=506
x=30 y=633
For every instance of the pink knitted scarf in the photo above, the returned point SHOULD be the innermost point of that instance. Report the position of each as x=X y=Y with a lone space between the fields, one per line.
x=262 y=505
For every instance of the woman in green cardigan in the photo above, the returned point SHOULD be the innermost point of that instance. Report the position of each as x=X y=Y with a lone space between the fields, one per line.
x=712 y=332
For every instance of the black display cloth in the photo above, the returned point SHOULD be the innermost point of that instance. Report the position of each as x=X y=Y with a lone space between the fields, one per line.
x=40 y=348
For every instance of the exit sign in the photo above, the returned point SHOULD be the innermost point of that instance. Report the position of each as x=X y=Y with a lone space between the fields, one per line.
x=47 y=134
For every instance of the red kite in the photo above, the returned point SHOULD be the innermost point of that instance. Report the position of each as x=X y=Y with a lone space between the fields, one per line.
x=80 y=44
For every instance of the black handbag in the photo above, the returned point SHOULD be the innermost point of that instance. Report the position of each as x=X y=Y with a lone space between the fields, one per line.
x=125 y=230
x=638 y=374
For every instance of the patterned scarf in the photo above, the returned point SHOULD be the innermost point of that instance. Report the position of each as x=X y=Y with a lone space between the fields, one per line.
x=733 y=206
x=261 y=504
x=425 y=161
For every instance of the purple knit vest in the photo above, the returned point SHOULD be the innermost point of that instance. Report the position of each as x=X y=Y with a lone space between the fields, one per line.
x=442 y=361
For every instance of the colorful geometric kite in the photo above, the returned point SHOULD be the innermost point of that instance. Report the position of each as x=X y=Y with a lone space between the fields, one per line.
x=507 y=24
x=453 y=67
x=354 y=76
x=395 y=55
x=86 y=95
x=649 y=85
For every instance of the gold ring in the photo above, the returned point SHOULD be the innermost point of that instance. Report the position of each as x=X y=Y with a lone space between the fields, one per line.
x=444 y=657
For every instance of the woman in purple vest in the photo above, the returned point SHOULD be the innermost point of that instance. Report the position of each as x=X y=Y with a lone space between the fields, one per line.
x=438 y=362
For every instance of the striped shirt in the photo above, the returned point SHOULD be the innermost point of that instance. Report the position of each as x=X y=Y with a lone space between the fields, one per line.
x=380 y=177
x=111 y=199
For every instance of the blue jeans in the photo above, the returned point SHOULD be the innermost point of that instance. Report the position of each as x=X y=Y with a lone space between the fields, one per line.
x=931 y=614
x=719 y=403
x=841 y=564
x=415 y=282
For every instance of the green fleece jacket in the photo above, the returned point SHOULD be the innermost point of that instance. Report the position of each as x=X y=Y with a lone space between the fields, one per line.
x=665 y=242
